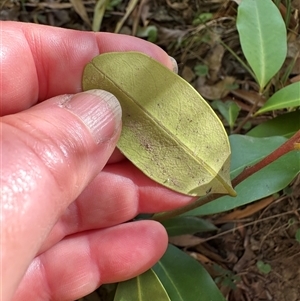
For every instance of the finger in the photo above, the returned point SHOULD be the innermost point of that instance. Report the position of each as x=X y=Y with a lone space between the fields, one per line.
x=51 y=151
x=80 y=263
x=118 y=194
x=39 y=62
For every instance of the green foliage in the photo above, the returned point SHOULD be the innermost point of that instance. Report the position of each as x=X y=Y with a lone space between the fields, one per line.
x=201 y=70
x=259 y=37
x=99 y=11
x=202 y=18
x=246 y=151
x=145 y=287
x=112 y=4
x=149 y=32
x=293 y=221
x=263 y=37
x=184 y=278
x=287 y=97
x=229 y=110
x=187 y=225
x=285 y=125
x=264 y=268
x=226 y=277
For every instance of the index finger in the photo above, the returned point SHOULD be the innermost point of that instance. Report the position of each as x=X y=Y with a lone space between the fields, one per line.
x=39 y=62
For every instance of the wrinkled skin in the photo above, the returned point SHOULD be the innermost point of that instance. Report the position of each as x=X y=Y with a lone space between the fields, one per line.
x=64 y=196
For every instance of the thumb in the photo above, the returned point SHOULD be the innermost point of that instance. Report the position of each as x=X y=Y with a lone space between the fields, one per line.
x=50 y=153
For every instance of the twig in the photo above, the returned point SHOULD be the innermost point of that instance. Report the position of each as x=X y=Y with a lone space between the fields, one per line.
x=249 y=224
x=247 y=118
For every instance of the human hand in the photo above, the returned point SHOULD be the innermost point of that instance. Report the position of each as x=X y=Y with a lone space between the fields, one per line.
x=61 y=218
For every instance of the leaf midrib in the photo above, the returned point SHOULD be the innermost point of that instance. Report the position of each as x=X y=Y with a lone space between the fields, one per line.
x=155 y=121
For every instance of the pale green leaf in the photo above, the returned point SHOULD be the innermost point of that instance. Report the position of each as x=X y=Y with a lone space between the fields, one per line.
x=262 y=35
x=264 y=268
x=145 y=287
x=99 y=11
x=187 y=225
x=201 y=69
x=169 y=131
x=286 y=97
x=185 y=279
x=149 y=32
x=229 y=109
x=246 y=151
x=285 y=125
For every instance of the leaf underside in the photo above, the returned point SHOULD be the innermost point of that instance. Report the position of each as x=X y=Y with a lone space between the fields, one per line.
x=169 y=131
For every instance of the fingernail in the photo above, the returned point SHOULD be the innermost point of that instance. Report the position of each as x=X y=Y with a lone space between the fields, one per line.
x=174 y=64
x=99 y=110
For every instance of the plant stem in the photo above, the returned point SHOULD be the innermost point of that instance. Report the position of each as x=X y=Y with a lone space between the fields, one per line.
x=292 y=144
x=199 y=202
x=289 y=145
x=249 y=115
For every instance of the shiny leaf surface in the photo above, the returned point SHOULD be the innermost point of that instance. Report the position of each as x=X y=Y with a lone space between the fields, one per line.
x=185 y=279
x=286 y=97
x=262 y=35
x=187 y=225
x=145 y=287
x=285 y=125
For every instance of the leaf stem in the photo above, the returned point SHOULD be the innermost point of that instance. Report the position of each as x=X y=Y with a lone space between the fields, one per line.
x=239 y=60
x=199 y=202
x=249 y=115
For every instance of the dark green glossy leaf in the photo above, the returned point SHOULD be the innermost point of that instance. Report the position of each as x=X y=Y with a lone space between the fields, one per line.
x=286 y=97
x=187 y=225
x=285 y=125
x=249 y=150
x=245 y=152
x=185 y=279
x=145 y=287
